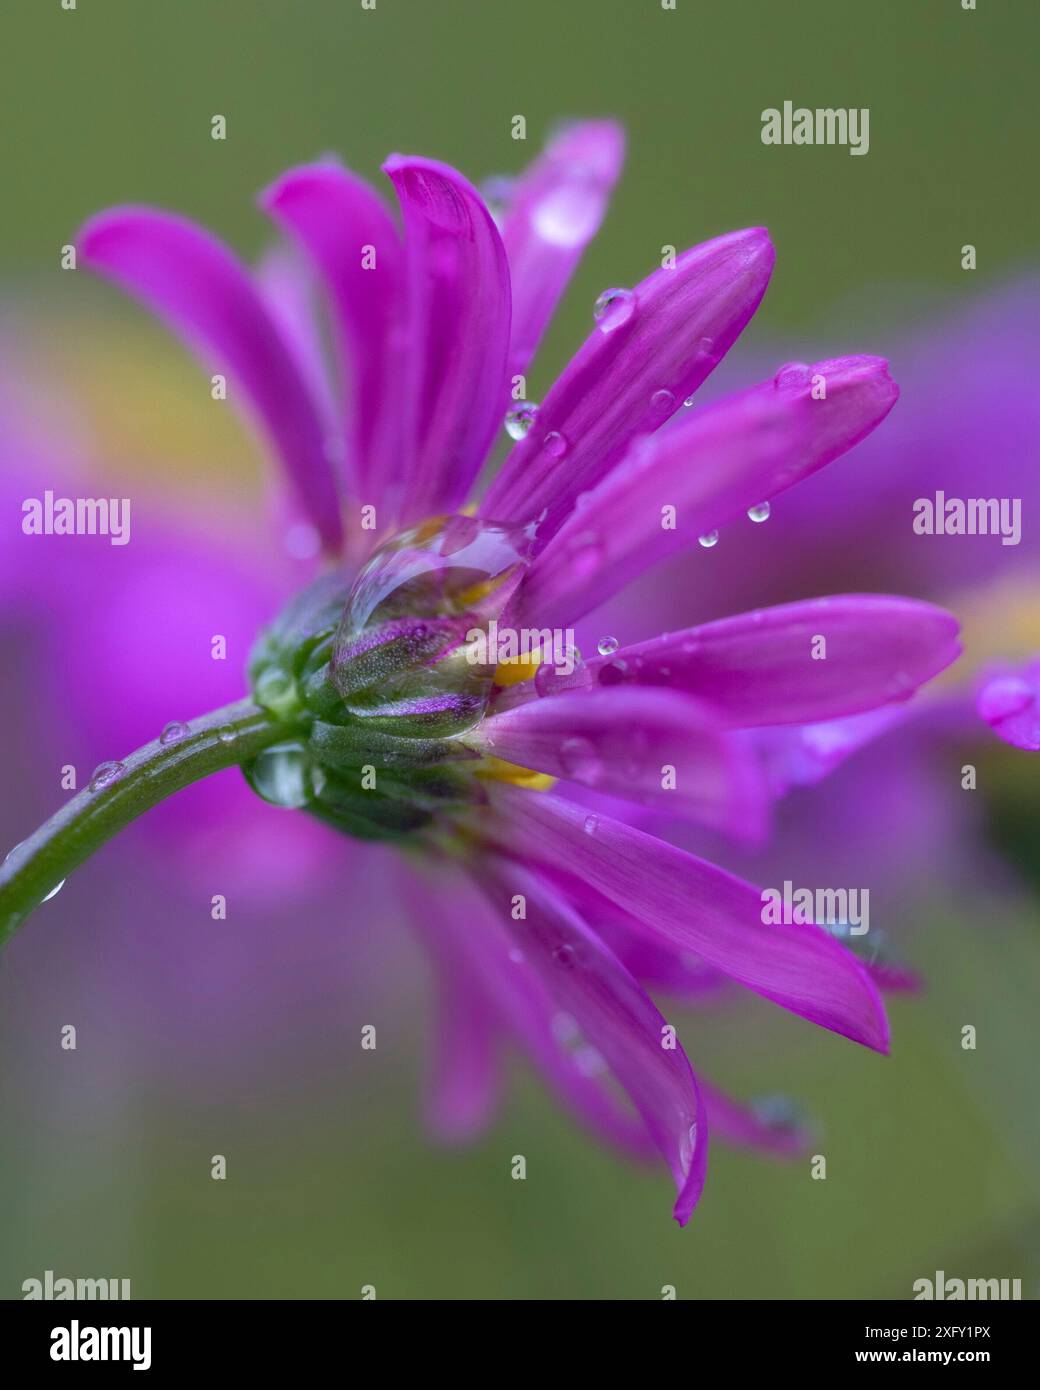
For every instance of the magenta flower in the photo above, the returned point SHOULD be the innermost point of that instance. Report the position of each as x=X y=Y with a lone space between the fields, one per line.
x=387 y=701
x=1009 y=701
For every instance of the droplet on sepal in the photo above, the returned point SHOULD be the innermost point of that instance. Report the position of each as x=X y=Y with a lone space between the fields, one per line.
x=12 y=854
x=174 y=731
x=276 y=691
x=285 y=775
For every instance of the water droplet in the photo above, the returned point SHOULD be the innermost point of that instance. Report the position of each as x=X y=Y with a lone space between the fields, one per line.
x=580 y=760
x=520 y=418
x=662 y=402
x=227 y=735
x=564 y=955
x=687 y=1148
x=709 y=539
x=497 y=192
x=283 y=775
x=54 y=891
x=690 y=400
x=174 y=732
x=792 y=375
x=760 y=512
x=554 y=444
x=779 y=1113
x=591 y=825
x=607 y=645
x=901 y=687
x=613 y=308
x=275 y=689
x=105 y=774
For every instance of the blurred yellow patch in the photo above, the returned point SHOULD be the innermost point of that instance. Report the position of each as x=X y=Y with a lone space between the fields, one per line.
x=499 y=771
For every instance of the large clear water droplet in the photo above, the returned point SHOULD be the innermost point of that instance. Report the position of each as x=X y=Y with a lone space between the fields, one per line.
x=520 y=418
x=613 y=308
x=13 y=856
x=407 y=647
x=276 y=691
x=607 y=645
x=174 y=731
x=709 y=539
x=285 y=775
x=760 y=512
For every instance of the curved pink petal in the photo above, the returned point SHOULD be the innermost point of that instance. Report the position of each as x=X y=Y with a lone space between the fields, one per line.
x=466 y=1076
x=698 y=908
x=288 y=289
x=799 y=755
x=471 y=941
x=628 y=380
x=193 y=282
x=686 y=481
x=345 y=228
x=644 y=744
x=556 y=210
x=454 y=366
x=615 y=1016
x=1009 y=702
x=797 y=663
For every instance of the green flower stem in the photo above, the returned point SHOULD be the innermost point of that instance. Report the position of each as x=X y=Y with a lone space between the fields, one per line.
x=215 y=741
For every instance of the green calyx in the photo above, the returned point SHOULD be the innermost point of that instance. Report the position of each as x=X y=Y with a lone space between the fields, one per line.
x=375 y=684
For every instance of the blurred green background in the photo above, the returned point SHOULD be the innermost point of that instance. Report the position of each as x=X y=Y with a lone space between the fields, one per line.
x=933 y=1160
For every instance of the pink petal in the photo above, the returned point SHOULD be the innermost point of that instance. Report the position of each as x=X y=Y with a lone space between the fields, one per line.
x=647 y=745
x=454 y=365
x=614 y=1015
x=710 y=469
x=629 y=380
x=557 y=208
x=474 y=943
x=698 y=908
x=759 y=668
x=193 y=282
x=465 y=1084
x=342 y=224
x=1009 y=702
